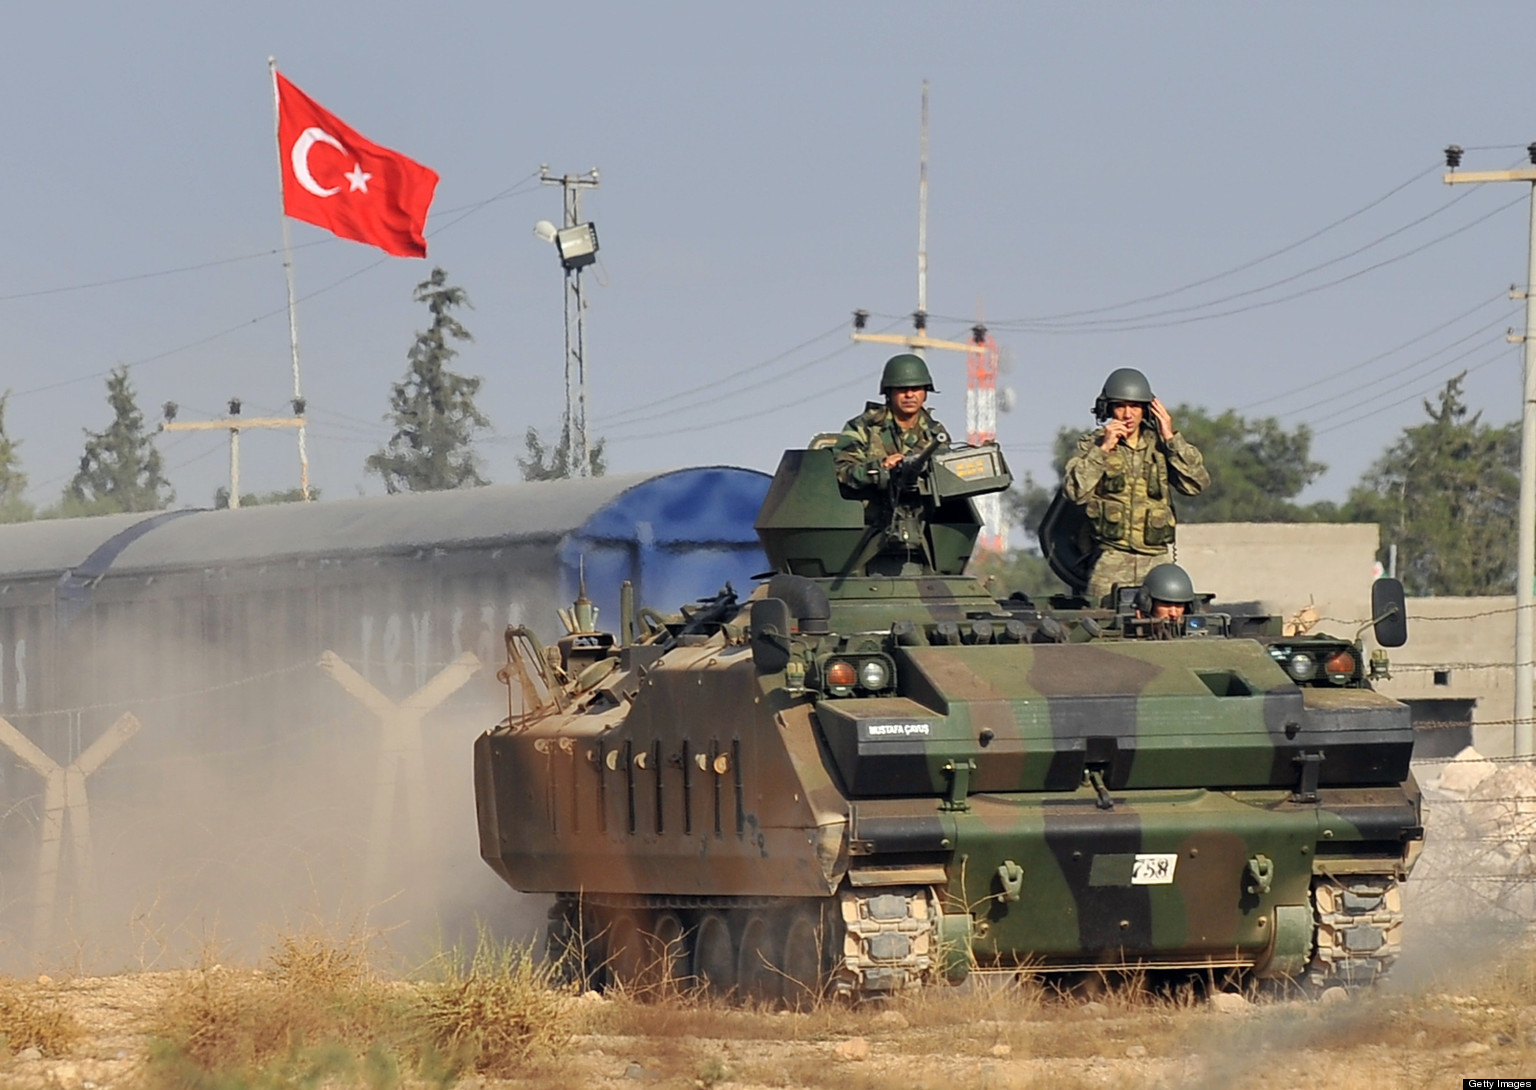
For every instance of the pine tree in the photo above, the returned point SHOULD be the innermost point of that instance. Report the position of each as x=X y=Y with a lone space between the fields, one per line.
x=13 y=482
x=543 y=464
x=433 y=409
x=120 y=469
x=1447 y=494
x=262 y=499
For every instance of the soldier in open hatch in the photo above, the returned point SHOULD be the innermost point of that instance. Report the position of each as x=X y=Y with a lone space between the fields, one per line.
x=874 y=442
x=1167 y=593
x=1124 y=476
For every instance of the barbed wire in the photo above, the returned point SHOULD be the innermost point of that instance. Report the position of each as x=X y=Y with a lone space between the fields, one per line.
x=1435 y=667
x=1480 y=757
x=1496 y=611
x=207 y=690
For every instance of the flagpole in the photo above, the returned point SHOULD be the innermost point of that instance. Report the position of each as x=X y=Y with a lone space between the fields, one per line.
x=293 y=320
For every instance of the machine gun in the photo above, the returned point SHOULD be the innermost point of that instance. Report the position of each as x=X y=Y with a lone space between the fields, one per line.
x=708 y=613
x=904 y=476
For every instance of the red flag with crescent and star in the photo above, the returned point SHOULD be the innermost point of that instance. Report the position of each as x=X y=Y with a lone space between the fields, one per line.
x=336 y=179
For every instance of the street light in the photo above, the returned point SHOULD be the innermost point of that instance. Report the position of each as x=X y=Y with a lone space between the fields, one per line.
x=577 y=246
x=576 y=243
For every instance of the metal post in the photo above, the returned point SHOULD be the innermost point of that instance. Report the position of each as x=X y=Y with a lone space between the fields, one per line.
x=575 y=352
x=1525 y=540
x=922 y=213
x=1525 y=565
x=293 y=317
x=234 y=467
x=575 y=448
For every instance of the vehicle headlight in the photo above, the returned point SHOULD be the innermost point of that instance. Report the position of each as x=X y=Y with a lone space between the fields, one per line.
x=873 y=675
x=1301 y=666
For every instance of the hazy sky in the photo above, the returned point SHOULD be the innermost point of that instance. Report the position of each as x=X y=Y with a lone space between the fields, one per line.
x=759 y=182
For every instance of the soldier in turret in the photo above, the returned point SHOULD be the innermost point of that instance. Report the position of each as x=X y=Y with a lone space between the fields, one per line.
x=1124 y=475
x=874 y=442
x=1167 y=594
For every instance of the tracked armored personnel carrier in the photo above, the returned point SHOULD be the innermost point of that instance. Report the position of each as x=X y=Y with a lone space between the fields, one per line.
x=872 y=774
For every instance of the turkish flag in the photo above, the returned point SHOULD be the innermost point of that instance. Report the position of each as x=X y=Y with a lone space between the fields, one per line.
x=336 y=179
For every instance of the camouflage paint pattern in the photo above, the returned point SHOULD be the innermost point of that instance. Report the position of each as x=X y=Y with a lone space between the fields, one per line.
x=1070 y=797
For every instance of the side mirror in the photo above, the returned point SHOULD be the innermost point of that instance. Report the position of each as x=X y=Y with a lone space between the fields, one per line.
x=769 y=633
x=1389 y=613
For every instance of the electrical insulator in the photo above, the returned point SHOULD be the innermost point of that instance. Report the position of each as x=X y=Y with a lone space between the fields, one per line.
x=920 y=320
x=978 y=334
x=1453 y=156
x=298 y=406
x=1530 y=149
x=234 y=406
x=169 y=408
x=860 y=319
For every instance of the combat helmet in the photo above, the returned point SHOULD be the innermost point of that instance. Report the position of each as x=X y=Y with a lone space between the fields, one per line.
x=906 y=370
x=1169 y=583
x=1123 y=384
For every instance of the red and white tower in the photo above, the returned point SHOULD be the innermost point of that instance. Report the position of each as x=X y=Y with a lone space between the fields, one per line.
x=981 y=427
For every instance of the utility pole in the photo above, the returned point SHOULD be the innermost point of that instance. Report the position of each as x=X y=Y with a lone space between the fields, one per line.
x=235 y=423
x=578 y=452
x=980 y=350
x=1525 y=559
x=918 y=341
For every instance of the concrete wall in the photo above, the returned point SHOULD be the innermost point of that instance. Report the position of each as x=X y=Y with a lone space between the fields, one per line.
x=1286 y=566
x=1458 y=648
x=1469 y=643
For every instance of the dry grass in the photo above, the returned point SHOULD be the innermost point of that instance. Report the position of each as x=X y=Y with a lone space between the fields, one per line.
x=317 y=1012
x=495 y=1008
x=27 y=1021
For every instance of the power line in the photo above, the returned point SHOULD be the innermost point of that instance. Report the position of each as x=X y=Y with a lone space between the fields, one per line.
x=1407 y=367
x=1285 y=279
x=1284 y=298
x=699 y=403
x=1244 y=265
x=1380 y=355
x=633 y=410
x=1411 y=397
x=757 y=412
x=281 y=311
x=468 y=209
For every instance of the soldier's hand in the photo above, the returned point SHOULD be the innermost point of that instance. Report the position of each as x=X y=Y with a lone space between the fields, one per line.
x=1163 y=418
x=891 y=461
x=1114 y=431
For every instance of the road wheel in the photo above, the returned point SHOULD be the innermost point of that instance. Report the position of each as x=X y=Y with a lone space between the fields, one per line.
x=626 y=952
x=666 y=950
x=562 y=947
x=714 y=954
x=757 y=969
x=802 y=957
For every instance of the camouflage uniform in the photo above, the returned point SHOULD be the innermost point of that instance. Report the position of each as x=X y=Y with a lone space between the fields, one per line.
x=1127 y=495
x=872 y=436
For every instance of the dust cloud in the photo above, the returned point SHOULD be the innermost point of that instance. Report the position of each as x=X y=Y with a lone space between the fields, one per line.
x=244 y=808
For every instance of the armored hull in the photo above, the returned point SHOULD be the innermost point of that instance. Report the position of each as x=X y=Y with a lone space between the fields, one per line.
x=872 y=774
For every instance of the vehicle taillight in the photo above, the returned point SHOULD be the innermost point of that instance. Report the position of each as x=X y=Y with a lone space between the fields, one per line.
x=841 y=677
x=1339 y=666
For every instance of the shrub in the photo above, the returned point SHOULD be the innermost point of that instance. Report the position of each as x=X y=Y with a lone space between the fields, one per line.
x=495 y=1008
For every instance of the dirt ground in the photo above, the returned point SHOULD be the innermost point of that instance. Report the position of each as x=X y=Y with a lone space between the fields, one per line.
x=982 y=1037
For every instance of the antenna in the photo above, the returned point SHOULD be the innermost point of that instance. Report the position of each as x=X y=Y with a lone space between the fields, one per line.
x=981 y=353
x=920 y=318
